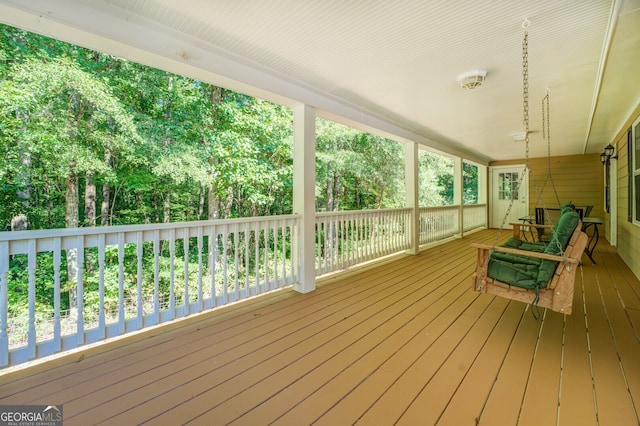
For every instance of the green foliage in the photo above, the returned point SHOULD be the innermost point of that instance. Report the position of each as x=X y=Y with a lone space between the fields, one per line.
x=435 y=173
x=162 y=147
x=470 y=183
x=357 y=170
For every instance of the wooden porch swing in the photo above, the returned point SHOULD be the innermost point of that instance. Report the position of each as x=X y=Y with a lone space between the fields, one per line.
x=536 y=273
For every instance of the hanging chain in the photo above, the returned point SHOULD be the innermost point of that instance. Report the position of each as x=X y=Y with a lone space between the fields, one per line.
x=525 y=90
x=525 y=120
x=525 y=115
x=546 y=132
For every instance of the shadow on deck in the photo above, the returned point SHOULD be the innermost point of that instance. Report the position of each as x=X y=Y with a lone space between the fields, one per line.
x=405 y=341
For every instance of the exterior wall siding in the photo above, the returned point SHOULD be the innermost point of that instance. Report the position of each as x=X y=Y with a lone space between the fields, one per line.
x=577 y=178
x=628 y=246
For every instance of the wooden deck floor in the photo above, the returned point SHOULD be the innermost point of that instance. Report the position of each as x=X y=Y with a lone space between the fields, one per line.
x=404 y=342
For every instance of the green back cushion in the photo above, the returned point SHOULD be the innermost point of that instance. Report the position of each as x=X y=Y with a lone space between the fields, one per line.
x=562 y=234
x=567 y=207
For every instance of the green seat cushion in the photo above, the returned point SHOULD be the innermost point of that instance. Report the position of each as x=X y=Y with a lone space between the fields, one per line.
x=516 y=243
x=513 y=269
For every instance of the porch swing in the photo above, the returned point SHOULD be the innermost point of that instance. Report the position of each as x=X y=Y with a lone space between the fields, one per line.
x=538 y=273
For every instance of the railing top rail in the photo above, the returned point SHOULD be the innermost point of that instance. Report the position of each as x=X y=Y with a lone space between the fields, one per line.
x=361 y=212
x=65 y=232
x=451 y=207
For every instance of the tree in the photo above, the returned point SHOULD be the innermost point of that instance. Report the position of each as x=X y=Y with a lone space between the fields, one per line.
x=435 y=173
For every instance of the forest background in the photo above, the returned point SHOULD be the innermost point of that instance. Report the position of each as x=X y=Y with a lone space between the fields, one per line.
x=90 y=139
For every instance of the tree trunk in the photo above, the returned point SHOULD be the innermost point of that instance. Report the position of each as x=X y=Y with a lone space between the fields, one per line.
x=166 y=208
x=20 y=222
x=90 y=199
x=106 y=195
x=213 y=201
x=330 y=195
x=201 y=203
x=71 y=221
x=228 y=203
x=213 y=206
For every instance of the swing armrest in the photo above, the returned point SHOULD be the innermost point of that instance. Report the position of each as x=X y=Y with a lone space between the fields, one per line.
x=517 y=227
x=553 y=257
x=530 y=225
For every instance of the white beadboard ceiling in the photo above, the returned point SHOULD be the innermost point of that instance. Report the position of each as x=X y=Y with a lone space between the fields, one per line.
x=392 y=65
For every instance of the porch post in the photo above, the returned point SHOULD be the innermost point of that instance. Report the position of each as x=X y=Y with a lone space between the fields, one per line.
x=458 y=186
x=304 y=181
x=412 y=199
x=482 y=192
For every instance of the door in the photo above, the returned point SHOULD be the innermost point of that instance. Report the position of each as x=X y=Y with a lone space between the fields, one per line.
x=508 y=190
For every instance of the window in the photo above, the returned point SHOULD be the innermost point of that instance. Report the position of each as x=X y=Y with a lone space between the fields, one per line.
x=508 y=186
x=634 y=172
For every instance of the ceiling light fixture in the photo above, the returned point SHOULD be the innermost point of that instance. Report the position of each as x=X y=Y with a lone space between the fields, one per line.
x=472 y=79
x=518 y=136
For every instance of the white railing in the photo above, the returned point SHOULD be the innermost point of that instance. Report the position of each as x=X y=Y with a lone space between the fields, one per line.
x=474 y=216
x=438 y=223
x=130 y=277
x=347 y=238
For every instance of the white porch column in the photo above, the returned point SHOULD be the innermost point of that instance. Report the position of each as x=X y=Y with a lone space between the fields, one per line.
x=458 y=184
x=483 y=192
x=304 y=181
x=411 y=189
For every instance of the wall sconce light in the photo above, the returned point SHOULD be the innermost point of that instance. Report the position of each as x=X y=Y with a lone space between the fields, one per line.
x=607 y=154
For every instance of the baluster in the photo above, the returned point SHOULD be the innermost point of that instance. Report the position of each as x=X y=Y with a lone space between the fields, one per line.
x=156 y=276
x=265 y=257
x=200 y=304
x=276 y=236
x=4 y=303
x=57 y=329
x=102 y=322
x=236 y=282
x=247 y=240
x=172 y=255
x=121 y=317
x=295 y=258
x=283 y=246
x=256 y=234
x=139 y=252
x=80 y=282
x=213 y=258
x=225 y=276
x=185 y=247
x=31 y=265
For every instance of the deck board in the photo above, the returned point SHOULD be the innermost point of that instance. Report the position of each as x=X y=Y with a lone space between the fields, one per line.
x=504 y=400
x=613 y=402
x=576 y=388
x=402 y=341
x=467 y=402
x=540 y=404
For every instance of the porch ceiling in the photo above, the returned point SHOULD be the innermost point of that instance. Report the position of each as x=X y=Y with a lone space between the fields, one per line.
x=389 y=65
